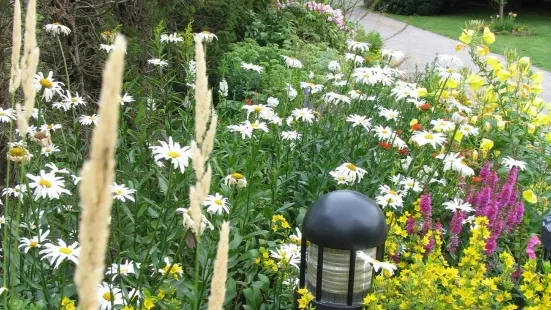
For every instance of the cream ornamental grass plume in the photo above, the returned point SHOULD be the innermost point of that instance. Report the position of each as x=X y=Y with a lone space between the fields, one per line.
x=218 y=284
x=15 y=74
x=205 y=128
x=95 y=186
x=29 y=62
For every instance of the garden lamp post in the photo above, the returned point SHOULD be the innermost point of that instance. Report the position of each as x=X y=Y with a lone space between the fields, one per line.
x=339 y=225
x=546 y=237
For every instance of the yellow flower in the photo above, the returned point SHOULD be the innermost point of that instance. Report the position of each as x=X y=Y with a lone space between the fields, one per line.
x=488 y=36
x=369 y=298
x=451 y=83
x=482 y=50
x=503 y=75
x=413 y=122
x=148 y=303
x=422 y=92
x=68 y=304
x=466 y=36
x=128 y=308
x=548 y=137
x=459 y=47
x=529 y=196
x=531 y=128
x=493 y=62
x=537 y=77
x=475 y=81
x=486 y=144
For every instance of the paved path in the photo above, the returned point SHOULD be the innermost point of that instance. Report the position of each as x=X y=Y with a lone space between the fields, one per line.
x=421 y=46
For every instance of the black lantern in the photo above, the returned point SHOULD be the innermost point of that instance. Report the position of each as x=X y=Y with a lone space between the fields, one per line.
x=339 y=225
x=546 y=237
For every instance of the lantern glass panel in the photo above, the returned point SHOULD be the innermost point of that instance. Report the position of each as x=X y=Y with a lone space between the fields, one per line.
x=336 y=265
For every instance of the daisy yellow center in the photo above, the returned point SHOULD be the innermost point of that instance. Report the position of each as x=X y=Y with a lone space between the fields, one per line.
x=2 y=113
x=17 y=151
x=124 y=270
x=254 y=125
x=92 y=118
x=57 y=23
x=33 y=244
x=205 y=32
x=340 y=178
x=119 y=192
x=410 y=184
x=73 y=100
x=107 y=296
x=450 y=70
x=45 y=183
x=46 y=83
x=257 y=109
x=392 y=192
x=66 y=251
x=429 y=136
x=173 y=154
x=351 y=167
x=384 y=131
x=218 y=202
x=49 y=126
x=390 y=200
x=237 y=176
x=47 y=150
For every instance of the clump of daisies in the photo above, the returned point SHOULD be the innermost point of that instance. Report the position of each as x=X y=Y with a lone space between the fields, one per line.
x=348 y=173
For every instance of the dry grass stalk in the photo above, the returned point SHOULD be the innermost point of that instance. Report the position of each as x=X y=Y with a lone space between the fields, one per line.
x=95 y=186
x=15 y=74
x=29 y=62
x=218 y=284
x=205 y=129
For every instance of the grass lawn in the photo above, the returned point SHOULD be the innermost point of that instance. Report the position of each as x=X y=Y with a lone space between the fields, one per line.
x=537 y=46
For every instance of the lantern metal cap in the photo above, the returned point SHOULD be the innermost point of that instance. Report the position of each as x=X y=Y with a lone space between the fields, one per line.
x=345 y=220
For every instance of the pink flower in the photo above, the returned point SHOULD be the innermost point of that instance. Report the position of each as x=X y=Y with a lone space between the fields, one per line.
x=532 y=242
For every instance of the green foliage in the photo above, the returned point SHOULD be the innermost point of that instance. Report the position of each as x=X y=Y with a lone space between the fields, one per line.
x=413 y=7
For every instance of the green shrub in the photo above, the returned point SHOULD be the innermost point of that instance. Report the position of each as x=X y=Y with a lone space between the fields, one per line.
x=412 y=7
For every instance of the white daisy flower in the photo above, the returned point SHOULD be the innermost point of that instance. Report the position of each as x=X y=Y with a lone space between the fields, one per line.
x=17 y=191
x=454 y=161
x=262 y=111
x=335 y=98
x=392 y=55
x=73 y=101
x=178 y=156
x=48 y=85
x=411 y=184
x=304 y=114
x=336 y=77
x=257 y=125
x=126 y=98
x=251 y=67
x=290 y=135
x=352 y=172
x=235 y=179
x=403 y=90
x=206 y=36
x=292 y=62
x=359 y=120
x=107 y=47
x=291 y=92
x=245 y=131
x=216 y=204
x=49 y=150
x=340 y=83
x=109 y=296
x=190 y=224
x=313 y=88
x=510 y=162
x=334 y=66
x=124 y=268
x=276 y=120
x=6 y=115
x=340 y=176
x=57 y=28
x=25 y=244
x=56 y=254
x=50 y=127
x=272 y=102
x=54 y=169
x=389 y=198
x=358 y=47
x=157 y=62
x=47 y=185
x=468 y=130
x=89 y=119
x=171 y=38
x=357 y=95
x=440 y=125
x=377 y=265
x=287 y=254
x=383 y=133
x=458 y=204
x=121 y=192
x=426 y=137
x=357 y=59
x=389 y=114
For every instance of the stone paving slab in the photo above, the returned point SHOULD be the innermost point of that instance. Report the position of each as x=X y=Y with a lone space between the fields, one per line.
x=421 y=46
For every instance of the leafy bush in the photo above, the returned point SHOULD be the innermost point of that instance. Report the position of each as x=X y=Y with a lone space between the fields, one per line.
x=412 y=7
